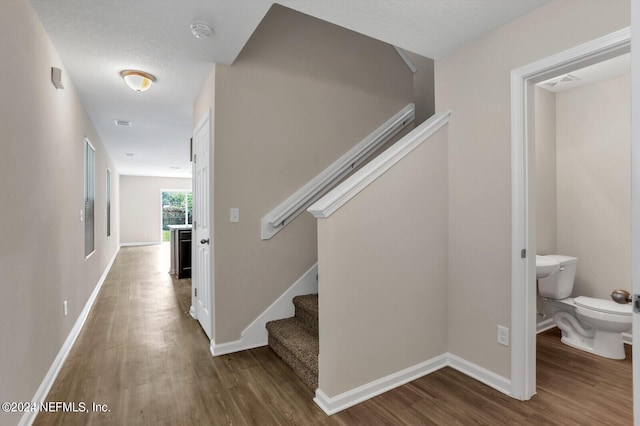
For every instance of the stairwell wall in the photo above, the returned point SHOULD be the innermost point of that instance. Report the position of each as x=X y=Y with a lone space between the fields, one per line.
x=300 y=94
x=383 y=268
x=474 y=82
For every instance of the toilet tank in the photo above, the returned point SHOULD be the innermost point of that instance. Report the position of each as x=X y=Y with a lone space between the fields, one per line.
x=560 y=284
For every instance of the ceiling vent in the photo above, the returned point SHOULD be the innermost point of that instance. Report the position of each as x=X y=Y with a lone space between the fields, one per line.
x=558 y=81
x=122 y=123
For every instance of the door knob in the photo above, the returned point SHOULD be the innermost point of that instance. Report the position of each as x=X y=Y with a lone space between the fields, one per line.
x=204 y=241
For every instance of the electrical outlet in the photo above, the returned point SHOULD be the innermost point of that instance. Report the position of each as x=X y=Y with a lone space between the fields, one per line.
x=64 y=308
x=503 y=335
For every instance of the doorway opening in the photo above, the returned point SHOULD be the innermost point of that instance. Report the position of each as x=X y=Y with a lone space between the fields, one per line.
x=177 y=209
x=523 y=289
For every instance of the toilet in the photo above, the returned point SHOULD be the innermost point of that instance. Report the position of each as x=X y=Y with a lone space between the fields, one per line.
x=587 y=323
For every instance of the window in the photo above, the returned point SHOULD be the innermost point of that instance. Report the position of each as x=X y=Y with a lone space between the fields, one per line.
x=89 y=198
x=108 y=212
x=176 y=210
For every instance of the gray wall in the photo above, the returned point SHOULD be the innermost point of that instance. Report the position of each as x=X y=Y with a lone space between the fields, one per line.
x=383 y=290
x=423 y=90
x=140 y=198
x=42 y=258
x=546 y=179
x=300 y=94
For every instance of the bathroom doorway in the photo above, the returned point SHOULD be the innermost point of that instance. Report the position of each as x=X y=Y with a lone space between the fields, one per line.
x=523 y=81
x=583 y=177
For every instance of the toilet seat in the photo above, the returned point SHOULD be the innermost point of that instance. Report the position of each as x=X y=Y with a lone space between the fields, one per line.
x=603 y=305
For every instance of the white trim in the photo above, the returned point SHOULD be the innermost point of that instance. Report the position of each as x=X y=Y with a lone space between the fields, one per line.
x=523 y=297
x=42 y=392
x=255 y=335
x=142 y=243
x=545 y=325
x=290 y=208
x=406 y=59
x=332 y=405
x=489 y=378
x=335 y=199
x=627 y=338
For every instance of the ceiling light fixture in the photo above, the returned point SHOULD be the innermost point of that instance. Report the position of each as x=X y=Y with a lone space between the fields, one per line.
x=139 y=81
x=201 y=29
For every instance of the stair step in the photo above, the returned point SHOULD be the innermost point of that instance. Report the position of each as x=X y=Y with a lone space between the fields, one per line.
x=306 y=308
x=297 y=346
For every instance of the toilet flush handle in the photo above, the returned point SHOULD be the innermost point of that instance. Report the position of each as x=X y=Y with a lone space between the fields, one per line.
x=621 y=296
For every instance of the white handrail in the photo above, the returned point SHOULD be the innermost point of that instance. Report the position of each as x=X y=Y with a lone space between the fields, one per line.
x=298 y=202
x=363 y=177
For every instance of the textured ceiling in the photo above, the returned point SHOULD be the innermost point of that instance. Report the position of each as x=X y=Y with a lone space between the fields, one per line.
x=97 y=39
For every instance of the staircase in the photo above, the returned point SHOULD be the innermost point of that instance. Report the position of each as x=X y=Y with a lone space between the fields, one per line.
x=295 y=339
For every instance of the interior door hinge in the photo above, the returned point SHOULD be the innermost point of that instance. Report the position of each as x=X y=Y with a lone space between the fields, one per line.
x=523 y=253
x=195 y=291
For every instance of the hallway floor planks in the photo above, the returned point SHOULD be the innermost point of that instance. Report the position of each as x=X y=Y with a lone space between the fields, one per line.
x=142 y=355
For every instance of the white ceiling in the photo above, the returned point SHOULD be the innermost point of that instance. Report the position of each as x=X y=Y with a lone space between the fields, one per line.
x=96 y=39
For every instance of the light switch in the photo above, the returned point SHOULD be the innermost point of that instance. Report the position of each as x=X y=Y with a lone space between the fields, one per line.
x=81 y=215
x=235 y=215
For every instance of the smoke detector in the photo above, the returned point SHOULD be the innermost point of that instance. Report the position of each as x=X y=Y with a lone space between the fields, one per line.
x=201 y=29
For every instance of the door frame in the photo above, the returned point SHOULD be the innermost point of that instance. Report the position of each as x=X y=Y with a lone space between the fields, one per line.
x=523 y=281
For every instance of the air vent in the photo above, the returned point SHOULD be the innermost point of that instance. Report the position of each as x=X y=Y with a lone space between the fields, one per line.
x=129 y=154
x=559 y=81
x=122 y=123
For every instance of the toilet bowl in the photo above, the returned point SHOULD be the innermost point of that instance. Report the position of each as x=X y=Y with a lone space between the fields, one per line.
x=587 y=323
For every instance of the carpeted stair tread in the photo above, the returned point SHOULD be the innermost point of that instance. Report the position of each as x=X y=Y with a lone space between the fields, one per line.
x=306 y=308
x=297 y=346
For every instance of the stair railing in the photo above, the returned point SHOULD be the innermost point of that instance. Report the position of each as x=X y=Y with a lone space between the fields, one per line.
x=348 y=189
x=300 y=200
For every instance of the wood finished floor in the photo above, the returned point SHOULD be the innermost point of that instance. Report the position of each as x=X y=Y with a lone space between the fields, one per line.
x=142 y=354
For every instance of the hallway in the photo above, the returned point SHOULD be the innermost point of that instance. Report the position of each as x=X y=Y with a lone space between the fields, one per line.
x=142 y=355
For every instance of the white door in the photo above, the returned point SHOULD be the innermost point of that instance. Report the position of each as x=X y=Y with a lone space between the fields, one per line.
x=203 y=243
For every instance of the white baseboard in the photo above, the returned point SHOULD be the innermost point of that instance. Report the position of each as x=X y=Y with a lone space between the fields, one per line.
x=142 y=243
x=545 y=325
x=627 y=338
x=255 y=335
x=332 y=405
x=42 y=392
x=489 y=378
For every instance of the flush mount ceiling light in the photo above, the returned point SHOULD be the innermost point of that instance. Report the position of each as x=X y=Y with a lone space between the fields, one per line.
x=201 y=29
x=139 y=81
